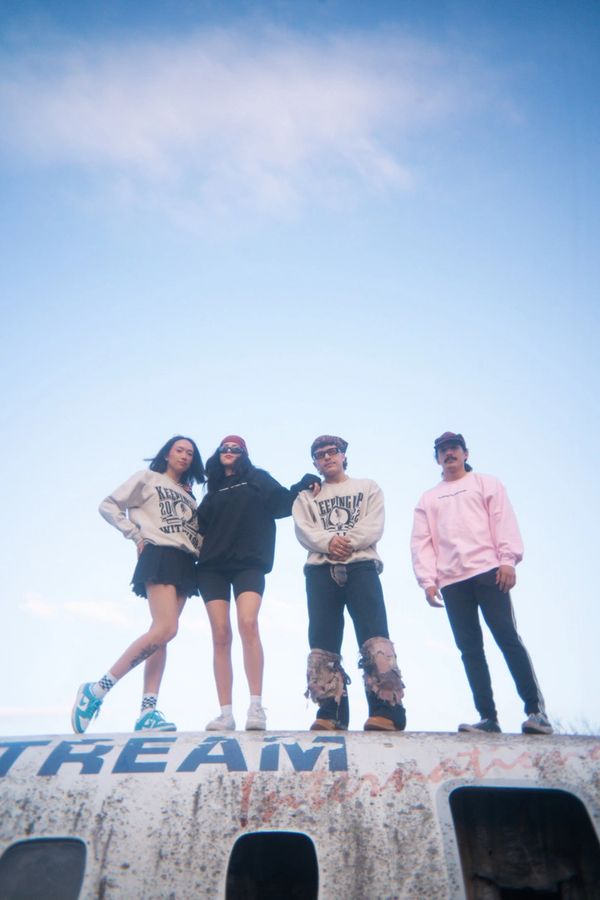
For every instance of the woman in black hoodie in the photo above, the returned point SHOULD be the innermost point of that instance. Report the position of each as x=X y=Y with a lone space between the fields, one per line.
x=237 y=521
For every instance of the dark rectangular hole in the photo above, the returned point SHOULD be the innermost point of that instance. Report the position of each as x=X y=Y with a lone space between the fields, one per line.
x=518 y=843
x=271 y=865
x=43 y=869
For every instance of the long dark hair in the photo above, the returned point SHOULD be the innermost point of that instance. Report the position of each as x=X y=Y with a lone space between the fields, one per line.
x=195 y=473
x=215 y=470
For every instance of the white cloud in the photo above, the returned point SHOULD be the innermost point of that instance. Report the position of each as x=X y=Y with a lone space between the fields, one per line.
x=105 y=612
x=39 y=606
x=217 y=121
x=25 y=711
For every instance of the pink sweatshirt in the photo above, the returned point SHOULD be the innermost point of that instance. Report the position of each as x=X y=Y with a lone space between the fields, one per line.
x=463 y=528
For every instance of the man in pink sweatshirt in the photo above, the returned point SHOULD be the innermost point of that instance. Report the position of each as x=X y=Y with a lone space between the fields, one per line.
x=465 y=545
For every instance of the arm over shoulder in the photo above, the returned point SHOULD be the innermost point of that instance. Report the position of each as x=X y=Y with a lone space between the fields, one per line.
x=276 y=497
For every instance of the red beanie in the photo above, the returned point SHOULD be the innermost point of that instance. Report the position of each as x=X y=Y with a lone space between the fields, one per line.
x=235 y=439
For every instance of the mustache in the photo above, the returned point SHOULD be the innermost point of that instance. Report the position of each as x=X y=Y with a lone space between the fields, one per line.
x=450 y=458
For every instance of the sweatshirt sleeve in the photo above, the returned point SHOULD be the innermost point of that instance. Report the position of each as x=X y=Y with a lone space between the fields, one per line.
x=276 y=498
x=203 y=514
x=422 y=549
x=114 y=507
x=369 y=528
x=308 y=529
x=503 y=524
x=305 y=483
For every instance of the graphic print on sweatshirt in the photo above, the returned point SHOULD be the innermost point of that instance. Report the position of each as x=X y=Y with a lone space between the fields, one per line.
x=339 y=513
x=177 y=513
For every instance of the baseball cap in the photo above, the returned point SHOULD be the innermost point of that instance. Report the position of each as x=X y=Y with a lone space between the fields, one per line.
x=449 y=437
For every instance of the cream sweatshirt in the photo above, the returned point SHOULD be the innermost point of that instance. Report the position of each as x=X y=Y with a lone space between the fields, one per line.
x=353 y=507
x=152 y=508
x=463 y=528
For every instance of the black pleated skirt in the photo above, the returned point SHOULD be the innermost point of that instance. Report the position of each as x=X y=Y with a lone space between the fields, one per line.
x=165 y=565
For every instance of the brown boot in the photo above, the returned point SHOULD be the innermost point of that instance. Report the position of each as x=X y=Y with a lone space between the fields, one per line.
x=379 y=723
x=326 y=725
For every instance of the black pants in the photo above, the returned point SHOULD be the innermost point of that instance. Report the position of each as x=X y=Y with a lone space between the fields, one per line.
x=463 y=601
x=363 y=597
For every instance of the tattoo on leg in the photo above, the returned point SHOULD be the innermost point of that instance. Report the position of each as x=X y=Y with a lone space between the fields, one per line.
x=144 y=654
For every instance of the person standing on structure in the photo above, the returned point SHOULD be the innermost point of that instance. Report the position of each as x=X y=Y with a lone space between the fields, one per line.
x=156 y=510
x=465 y=545
x=237 y=522
x=340 y=527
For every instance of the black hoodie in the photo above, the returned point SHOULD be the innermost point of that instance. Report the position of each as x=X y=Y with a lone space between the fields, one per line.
x=237 y=521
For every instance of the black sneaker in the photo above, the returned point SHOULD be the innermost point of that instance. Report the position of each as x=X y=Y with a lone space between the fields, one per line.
x=489 y=725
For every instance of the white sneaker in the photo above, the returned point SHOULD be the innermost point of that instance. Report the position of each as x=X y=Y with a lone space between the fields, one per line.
x=257 y=719
x=221 y=723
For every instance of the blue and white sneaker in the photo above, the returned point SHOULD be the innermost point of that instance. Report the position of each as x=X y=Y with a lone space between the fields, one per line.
x=153 y=720
x=87 y=706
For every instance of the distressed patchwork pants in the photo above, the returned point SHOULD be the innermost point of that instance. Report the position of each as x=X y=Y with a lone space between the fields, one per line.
x=362 y=595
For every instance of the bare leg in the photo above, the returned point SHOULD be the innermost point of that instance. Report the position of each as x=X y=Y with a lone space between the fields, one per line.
x=165 y=609
x=155 y=665
x=248 y=606
x=218 y=616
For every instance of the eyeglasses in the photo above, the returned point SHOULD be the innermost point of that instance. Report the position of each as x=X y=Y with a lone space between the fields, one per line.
x=237 y=451
x=330 y=451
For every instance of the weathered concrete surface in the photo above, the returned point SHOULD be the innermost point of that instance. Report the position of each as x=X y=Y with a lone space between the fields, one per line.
x=160 y=814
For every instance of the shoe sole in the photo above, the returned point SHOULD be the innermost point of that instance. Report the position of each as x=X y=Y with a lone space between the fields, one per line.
x=154 y=729
x=477 y=731
x=537 y=730
x=327 y=725
x=380 y=723
x=256 y=727
x=75 y=724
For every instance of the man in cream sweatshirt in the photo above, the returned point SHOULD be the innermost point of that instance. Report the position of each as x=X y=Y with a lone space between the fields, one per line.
x=465 y=546
x=340 y=526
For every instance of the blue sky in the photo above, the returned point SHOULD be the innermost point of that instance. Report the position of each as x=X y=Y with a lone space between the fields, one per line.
x=282 y=219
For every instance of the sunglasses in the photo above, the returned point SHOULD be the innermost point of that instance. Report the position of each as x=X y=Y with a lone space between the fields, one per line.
x=237 y=451
x=321 y=454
